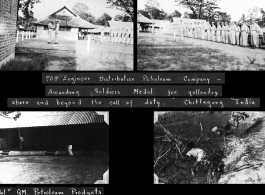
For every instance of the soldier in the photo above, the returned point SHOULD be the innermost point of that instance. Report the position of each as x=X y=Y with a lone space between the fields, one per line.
x=128 y=37
x=228 y=33
x=225 y=33
x=198 y=30
x=131 y=36
x=254 y=30
x=56 y=29
x=202 y=31
x=102 y=32
x=181 y=30
x=50 y=29
x=218 y=32
x=194 y=30
x=244 y=35
x=209 y=34
x=111 y=35
x=213 y=31
x=222 y=33
x=237 y=29
x=233 y=33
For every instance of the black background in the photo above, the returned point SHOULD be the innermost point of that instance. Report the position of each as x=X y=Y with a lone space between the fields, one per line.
x=131 y=130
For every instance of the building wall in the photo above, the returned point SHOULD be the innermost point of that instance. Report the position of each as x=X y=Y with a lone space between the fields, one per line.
x=8 y=20
x=85 y=137
x=63 y=35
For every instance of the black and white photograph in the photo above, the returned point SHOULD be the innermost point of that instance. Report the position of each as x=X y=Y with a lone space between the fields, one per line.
x=66 y=35
x=201 y=35
x=209 y=147
x=54 y=147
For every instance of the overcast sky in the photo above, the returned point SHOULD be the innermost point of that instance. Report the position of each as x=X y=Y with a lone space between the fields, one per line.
x=233 y=7
x=97 y=7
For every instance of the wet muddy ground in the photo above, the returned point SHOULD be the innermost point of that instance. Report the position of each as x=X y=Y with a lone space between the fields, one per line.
x=52 y=169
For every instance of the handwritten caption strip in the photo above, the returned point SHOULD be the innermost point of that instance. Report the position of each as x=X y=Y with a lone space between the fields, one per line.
x=133 y=90
x=51 y=190
x=134 y=102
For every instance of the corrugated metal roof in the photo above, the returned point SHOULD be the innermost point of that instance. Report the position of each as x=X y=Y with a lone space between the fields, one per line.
x=37 y=119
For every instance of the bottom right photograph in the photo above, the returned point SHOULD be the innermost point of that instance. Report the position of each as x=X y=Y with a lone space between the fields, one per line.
x=209 y=147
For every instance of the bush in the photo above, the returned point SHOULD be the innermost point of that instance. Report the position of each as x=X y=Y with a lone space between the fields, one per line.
x=38 y=63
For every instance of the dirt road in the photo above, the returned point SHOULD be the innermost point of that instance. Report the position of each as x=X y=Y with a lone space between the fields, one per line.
x=52 y=169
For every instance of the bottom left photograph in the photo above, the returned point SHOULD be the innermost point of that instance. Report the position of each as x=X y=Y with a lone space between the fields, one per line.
x=54 y=147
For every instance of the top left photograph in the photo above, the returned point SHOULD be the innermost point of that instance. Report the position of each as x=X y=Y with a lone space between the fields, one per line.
x=66 y=35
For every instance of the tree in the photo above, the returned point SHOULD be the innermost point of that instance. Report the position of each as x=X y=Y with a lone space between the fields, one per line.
x=83 y=12
x=200 y=9
x=222 y=16
x=254 y=14
x=152 y=3
x=88 y=17
x=176 y=13
x=123 y=18
x=156 y=13
x=123 y=5
x=10 y=114
x=26 y=6
x=80 y=8
x=103 y=20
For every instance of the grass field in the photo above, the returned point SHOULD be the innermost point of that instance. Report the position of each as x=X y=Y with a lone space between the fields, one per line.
x=71 y=56
x=52 y=169
x=163 y=53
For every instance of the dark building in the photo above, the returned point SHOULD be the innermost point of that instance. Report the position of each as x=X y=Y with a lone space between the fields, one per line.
x=54 y=131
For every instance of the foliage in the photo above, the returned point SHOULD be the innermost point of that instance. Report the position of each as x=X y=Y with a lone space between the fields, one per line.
x=83 y=12
x=123 y=18
x=222 y=16
x=26 y=6
x=156 y=13
x=39 y=63
x=172 y=116
x=145 y=13
x=80 y=8
x=123 y=5
x=200 y=9
x=103 y=20
x=176 y=13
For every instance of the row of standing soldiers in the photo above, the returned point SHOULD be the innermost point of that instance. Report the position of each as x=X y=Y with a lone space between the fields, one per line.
x=121 y=35
x=115 y=35
x=224 y=32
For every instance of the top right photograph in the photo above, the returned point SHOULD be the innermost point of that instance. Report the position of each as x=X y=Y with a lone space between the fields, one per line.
x=201 y=35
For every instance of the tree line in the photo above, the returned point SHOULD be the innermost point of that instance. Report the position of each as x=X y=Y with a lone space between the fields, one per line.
x=200 y=9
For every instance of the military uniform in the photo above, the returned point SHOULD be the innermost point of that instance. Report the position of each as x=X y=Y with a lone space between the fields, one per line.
x=50 y=29
x=213 y=28
x=254 y=30
x=237 y=29
x=218 y=33
x=57 y=27
x=244 y=35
